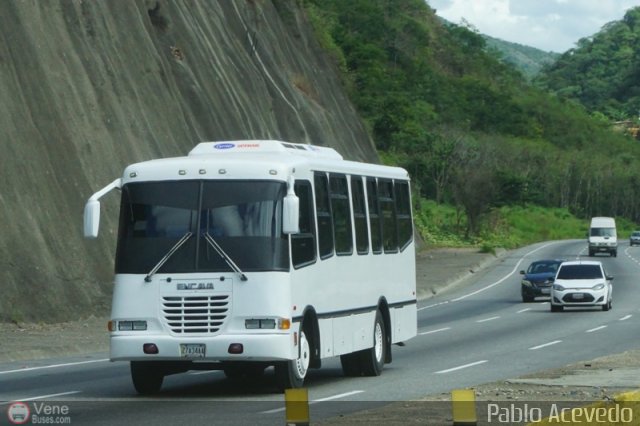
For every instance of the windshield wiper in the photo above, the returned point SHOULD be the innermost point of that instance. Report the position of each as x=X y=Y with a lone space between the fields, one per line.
x=166 y=257
x=224 y=256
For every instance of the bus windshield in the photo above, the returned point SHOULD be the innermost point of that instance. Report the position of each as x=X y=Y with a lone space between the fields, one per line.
x=244 y=217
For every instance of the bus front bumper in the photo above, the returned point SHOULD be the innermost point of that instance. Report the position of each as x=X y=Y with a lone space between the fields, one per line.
x=254 y=347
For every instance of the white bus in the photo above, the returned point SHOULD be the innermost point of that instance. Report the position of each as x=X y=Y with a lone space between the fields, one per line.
x=250 y=254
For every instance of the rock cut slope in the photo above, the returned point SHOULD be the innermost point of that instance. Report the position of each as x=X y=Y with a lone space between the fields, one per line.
x=88 y=87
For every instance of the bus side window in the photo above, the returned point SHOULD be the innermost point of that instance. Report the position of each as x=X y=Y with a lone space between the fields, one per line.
x=303 y=244
x=403 y=208
x=323 y=214
x=388 y=209
x=359 y=215
x=374 y=216
x=339 y=196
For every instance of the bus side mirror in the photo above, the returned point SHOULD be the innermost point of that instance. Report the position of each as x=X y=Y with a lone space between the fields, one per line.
x=91 y=219
x=291 y=214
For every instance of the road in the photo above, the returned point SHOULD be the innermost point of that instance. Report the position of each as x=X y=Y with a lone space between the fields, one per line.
x=476 y=333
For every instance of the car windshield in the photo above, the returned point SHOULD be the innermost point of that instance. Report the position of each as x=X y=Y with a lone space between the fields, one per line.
x=603 y=232
x=579 y=272
x=543 y=267
x=636 y=234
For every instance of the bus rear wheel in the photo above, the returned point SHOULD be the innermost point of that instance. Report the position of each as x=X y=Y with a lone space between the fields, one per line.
x=147 y=377
x=373 y=358
x=291 y=374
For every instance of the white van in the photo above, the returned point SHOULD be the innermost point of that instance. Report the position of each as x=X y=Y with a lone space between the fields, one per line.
x=602 y=236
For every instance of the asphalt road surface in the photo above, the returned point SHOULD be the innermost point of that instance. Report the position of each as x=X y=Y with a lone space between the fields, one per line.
x=474 y=333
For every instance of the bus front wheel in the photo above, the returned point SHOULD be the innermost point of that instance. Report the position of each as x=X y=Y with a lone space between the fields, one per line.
x=147 y=377
x=373 y=358
x=291 y=374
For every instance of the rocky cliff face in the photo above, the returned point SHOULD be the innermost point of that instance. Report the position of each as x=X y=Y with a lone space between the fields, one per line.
x=87 y=87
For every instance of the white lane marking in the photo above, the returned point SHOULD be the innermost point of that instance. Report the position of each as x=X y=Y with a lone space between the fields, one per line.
x=596 y=329
x=434 y=305
x=434 y=331
x=487 y=319
x=515 y=268
x=53 y=366
x=198 y=373
x=533 y=348
x=523 y=310
x=490 y=285
x=33 y=398
x=449 y=370
x=626 y=317
x=329 y=398
x=341 y=395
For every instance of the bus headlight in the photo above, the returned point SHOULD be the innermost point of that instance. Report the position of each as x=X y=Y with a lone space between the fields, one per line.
x=267 y=323
x=256 y=323
x=132 y=325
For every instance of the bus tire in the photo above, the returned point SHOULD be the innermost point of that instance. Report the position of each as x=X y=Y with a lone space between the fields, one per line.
x=147 y=377
x=351 y=366
x=372 y=359
x=291 y=374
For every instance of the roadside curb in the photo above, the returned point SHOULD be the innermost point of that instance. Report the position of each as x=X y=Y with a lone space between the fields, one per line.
x=430 y=286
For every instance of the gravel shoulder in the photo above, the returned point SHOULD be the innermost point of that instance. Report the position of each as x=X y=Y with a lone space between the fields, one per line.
x=601 y=379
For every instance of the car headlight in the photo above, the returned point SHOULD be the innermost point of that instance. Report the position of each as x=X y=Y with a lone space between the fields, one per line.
x=558 y=287
x=598 y=287
x=526 y=282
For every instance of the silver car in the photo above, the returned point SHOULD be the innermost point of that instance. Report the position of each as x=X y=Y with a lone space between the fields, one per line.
x=634 y=239
x=581 y=283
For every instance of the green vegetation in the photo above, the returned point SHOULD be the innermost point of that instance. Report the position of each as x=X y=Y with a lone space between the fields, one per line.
x=602 y=72
x=508 y=227
x=442 y=225
x=528 y=60
x=488 y=152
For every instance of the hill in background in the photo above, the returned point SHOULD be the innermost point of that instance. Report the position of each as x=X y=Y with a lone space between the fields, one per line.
x=603 y=71
x=528 y=60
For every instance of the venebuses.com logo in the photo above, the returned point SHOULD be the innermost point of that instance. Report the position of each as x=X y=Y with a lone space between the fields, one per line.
x=18 y=413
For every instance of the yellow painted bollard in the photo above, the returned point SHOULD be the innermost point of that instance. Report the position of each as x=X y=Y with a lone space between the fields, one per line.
x=464 y=407
x=296 y=402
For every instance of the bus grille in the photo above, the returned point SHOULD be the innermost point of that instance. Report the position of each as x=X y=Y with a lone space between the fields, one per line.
x=195 y=314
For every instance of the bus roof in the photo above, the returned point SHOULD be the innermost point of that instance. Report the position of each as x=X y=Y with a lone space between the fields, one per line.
x=264 y=146
x=254 y=159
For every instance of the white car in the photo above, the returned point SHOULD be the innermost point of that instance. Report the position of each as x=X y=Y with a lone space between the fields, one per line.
x=581 y=283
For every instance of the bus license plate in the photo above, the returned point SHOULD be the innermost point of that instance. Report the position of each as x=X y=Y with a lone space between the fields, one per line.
x=193 y=350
